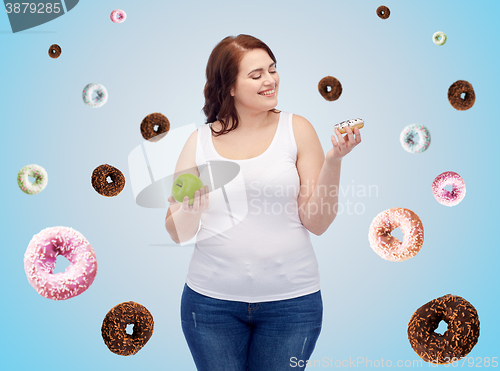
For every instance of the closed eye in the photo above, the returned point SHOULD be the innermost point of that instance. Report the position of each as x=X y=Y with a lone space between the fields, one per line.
x=256 y=78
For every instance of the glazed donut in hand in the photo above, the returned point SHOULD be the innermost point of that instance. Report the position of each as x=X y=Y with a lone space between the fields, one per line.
x=35 y=171
x=442 y=195
x=115 y=323
x=389 y=247
x=455 y=95
x=355 y=123
x=334 y=85
x=40 y=261
x=415 y=138
x=458 y=340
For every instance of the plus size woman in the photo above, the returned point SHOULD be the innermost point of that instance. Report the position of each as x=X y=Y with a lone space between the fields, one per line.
x=252 y=298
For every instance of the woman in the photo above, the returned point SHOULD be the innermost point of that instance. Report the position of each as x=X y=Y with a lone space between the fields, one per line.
x=252 y=298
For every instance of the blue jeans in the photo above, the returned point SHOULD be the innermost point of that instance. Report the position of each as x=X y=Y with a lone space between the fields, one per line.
x=225 y=335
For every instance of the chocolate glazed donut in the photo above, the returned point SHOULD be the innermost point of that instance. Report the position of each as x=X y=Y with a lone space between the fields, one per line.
x=335 y=88
x=54 y=51
x=154 y=127
x=114 y=326
x=100 y=182
x=383 y=12
x=454 y=95
x=458 y=340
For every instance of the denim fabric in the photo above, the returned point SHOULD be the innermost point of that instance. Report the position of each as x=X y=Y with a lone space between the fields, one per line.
x=225 y=335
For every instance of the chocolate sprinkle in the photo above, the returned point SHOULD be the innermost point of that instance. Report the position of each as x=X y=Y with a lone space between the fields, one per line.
x=100 y=182
x=454 y=95
x=114 y=326
x=54 y=51
x=383 y=12
x=149 y=123
x=334 y=84
x=458 y=340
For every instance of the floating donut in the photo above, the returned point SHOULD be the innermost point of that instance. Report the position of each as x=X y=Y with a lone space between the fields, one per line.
x=442 y=195
x=389 y=247
x=415 y=138
x=383 y=12
x=154 y=126
x=118 y=16
x=55 y=51
x=101 y=95
x=100 y=182
x=34 y=171
x=439 y=38
x=114 y=326
x=334 y=85
x=40 y=261
x=458 y=340
x=455 y=95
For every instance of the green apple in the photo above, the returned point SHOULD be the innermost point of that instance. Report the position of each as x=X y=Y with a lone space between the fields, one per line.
x=186 y=185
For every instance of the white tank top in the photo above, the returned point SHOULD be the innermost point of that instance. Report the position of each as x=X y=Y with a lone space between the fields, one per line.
x=264 y=253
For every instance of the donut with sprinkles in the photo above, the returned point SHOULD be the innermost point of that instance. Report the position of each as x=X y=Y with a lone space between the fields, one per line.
x=457 y=341
x=330 y=88
x=113 y=329
x=389 y=247
x=455 y=98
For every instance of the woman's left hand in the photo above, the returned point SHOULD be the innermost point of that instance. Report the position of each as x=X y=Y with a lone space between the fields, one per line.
x=343 y=146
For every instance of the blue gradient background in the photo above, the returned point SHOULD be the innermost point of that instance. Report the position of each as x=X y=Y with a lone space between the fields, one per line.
x=392 y=75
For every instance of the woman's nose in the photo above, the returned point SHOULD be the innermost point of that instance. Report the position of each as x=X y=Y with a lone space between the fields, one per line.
x=269 y=79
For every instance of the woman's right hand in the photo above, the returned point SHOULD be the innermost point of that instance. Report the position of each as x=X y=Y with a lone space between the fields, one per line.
x=200 y=204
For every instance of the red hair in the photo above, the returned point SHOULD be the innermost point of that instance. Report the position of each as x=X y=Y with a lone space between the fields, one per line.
x=222 y=70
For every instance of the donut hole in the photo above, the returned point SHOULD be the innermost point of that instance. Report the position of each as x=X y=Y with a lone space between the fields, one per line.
x=61 y=264
x=328 y=89
x=397 y=233
x=108 y=179
x=97 y=95
x=382 y=12
x=32 y=179
x=463 y=96
x=156 y=127
x=442 y=327
x=448 y=187
x=129 y=329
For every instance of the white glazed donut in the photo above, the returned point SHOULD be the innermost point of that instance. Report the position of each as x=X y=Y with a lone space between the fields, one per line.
x=354 y=123
x=415 y=138
x=40 y=261
x=439 y=38
x=100 y=99
x=34 y=171
x=118 y=16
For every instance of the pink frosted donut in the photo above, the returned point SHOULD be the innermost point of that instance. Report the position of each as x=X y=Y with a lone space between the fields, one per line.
x=118 y=16
x=389 y=247
x=442 y=195
x=40 y=261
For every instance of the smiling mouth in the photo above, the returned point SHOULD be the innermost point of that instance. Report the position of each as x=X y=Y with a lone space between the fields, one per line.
x=269 y=92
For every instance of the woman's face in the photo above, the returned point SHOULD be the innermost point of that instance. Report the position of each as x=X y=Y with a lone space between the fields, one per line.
x=257 y=73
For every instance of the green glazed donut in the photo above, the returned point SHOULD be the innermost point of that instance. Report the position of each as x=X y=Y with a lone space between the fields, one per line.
x=439 y=38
